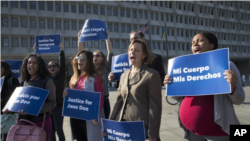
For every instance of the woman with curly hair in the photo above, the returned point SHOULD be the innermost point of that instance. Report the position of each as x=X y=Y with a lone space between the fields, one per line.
x=34 y=73
x=86 y=78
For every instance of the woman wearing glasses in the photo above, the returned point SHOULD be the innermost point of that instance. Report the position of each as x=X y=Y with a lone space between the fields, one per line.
x=58 y=74
x=85 y=78
x=103 y=67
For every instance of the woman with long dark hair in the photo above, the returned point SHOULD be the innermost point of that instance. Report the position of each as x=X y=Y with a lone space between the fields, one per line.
x=34 y=73
x=9 y=85
x=103 y=68
x=85 y=78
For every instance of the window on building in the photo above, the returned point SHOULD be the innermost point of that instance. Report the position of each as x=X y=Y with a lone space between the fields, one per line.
x=115 y=12
x=58 y=7
x=134 y=14
x=15 y=42
x=24 y=23
x=134 y=27
x=74 y=43
x=116 y=28
x=102 y=11
x=103 y=44
x=50 y=24
x=109 y=11
x=157 y=31
x=14 y=4
x=73 y=24
x=24 y=4
x=156 y=16
x=81 y=9
x=123 y=45
x=66 y=25
x=88 y=10
x=73 y=8
x=32 y=23
x=152 y=31
x=122 y=28
x=4 y=3
x=32 y=5
x=89 y=44
x=145 y=15
x=41 y=5
x=65 y=7
x=95 y=10
x=128 y=13
x=128 y=28
x=5 y=42
x=96 y=44
x=50 y=6
x=4 y=22
x=32 y=40
x=110 y=27
x=24 y=42
x=139 y=15
x=58 y=25
x=121 y=13
x=116 y=44
x=81 y=24
x=66 y=43
x=41 y=24
x=14 y=22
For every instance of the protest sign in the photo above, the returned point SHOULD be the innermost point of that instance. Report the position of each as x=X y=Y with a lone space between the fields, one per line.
x=27 y=99
x=199 y=74
x=123 y=131
x=15 y=66
x=1 y=85
x=93 y=30
x=82 y=104
x=48 y=43
x=120 y=63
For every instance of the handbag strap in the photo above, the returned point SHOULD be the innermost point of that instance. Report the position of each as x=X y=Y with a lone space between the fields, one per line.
x=44 y=116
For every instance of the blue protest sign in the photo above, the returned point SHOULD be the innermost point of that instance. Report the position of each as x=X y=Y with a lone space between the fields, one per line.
x=93 y=30
x=82 y=104
x=28 y=99
x=1 y=85
x=199 y=74
x=120 y=64
x=15 y=66
x=48 y=43
x=123 y=131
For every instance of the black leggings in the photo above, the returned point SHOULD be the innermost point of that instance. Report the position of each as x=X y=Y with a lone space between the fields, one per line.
x=78 y=129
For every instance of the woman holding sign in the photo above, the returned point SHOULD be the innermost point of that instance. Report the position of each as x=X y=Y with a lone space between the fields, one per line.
x=212 y=115
x=34 y=73
x=139 y=92
x=103 y=68
x=8 y=86
x=85 y=78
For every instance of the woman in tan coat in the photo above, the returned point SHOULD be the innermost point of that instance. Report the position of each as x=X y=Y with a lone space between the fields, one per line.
x=139 y=92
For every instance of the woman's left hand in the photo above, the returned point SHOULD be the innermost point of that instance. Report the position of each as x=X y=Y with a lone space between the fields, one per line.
x=22 y=113
x=150 y=139
x=231 y=78
x=94 y=122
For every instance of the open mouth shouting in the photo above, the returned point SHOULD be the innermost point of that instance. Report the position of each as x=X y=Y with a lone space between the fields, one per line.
x=196 y=50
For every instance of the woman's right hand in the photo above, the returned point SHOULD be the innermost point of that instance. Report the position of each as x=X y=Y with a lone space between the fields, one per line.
x=111 y=77
x=103 y=134
x=79 y=33
x=6 y=111
x=65 y=93
x=167 y=80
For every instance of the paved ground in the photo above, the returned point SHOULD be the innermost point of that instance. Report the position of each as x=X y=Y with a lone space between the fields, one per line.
x=170 y=130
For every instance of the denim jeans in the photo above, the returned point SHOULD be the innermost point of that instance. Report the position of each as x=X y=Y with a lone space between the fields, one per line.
x=57 y=125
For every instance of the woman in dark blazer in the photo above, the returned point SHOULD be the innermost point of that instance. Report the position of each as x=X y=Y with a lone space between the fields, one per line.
x=139 y=93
